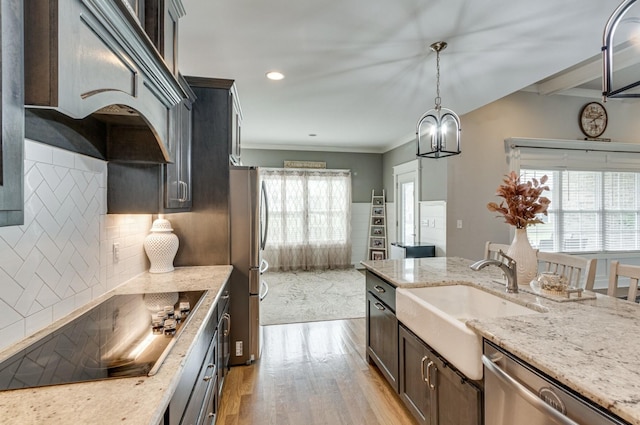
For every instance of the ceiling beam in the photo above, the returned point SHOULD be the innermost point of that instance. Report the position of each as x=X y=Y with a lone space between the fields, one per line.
x=585 y=72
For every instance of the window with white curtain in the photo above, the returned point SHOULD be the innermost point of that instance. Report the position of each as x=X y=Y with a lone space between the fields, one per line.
x=595 y=196
x=309 y=218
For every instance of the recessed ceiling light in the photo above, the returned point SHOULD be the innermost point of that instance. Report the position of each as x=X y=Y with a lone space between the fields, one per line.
x=275 y=75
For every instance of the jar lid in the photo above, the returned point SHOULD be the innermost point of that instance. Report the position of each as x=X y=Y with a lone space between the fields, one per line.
x=161 y=225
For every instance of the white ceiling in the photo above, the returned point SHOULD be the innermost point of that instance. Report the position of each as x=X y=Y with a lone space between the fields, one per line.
x=360 y=73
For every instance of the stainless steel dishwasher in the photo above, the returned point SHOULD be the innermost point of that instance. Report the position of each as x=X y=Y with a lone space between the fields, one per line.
x=517 y=394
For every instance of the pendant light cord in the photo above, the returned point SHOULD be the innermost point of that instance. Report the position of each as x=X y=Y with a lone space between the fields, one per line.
x=437 y=99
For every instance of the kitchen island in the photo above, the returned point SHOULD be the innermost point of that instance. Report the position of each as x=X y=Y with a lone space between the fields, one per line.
x=590 y=346
x=138 y=400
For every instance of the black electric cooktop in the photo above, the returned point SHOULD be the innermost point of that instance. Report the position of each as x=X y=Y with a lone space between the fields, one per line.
x=115 y=339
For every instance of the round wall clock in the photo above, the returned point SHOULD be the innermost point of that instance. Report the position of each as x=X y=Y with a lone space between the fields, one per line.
x=593 y=119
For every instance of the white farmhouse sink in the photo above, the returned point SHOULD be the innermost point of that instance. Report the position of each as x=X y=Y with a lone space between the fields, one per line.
x=437 y=315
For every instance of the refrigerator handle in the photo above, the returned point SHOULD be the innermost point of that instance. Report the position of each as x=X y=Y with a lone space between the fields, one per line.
x=263 y=295
x=264 y=266
x=263 y=242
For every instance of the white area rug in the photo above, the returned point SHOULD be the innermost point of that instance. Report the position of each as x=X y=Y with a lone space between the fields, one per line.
x=312 y=296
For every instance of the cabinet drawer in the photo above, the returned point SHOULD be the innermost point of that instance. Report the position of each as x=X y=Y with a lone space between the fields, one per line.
x=206 y=379
x=223 y=301
x=382 y=339
x=382 y=290
x=200 y=353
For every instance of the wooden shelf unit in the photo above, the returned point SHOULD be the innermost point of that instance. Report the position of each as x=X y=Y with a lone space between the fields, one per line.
x=377 y=246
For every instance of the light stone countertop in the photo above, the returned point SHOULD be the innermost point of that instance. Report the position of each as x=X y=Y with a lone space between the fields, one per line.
x=128 y=401
x=591 y=346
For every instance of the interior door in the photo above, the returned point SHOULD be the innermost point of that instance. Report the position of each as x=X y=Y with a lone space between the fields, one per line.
x=406 y=205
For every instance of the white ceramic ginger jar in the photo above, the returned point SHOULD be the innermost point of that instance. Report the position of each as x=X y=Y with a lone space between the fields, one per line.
x=161 y=246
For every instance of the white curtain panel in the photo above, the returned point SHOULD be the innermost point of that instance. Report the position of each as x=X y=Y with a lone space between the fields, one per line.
x=309 y=218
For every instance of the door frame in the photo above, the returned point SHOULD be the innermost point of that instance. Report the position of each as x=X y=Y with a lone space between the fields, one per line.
x=411 y=167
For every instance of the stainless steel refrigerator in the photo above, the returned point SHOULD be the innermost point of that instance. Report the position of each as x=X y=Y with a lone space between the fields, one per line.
x=249 y=217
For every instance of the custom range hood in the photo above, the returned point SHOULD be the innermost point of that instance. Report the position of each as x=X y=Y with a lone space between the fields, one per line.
x=96 y=83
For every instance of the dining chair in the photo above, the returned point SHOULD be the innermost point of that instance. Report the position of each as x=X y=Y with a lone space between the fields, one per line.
x=618 y=270
x=580 y=272
x=491 y=250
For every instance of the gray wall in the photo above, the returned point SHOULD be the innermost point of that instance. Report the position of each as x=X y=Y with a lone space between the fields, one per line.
x=473 y=177
x=433 y=184
x=366 y=168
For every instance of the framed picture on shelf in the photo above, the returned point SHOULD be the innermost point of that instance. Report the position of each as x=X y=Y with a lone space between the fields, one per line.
x=377 y=201
x=377 y=243
x=378 y=211
x=377 y=231
x=377 y=255
x=377 y=221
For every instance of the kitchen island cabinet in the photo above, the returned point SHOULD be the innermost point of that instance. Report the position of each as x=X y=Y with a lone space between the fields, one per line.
x=434 y=392
x=583 y=344
x=138 y=400
x=382 y=328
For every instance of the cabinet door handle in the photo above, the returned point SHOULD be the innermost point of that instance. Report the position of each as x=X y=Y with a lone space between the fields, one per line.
x=380 y=307
x=424 y=376
x=379 y=289
x=184 y=190
x=430 y=380
x=227 y=317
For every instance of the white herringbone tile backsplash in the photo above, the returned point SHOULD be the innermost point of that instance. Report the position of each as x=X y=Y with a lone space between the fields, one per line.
x=61 y=258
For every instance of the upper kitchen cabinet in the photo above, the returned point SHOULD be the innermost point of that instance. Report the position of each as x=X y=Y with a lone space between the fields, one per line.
x=161 y=24
x=157 y=188
x=228 y=112
x=12 y=116
x=177 y=175
x=96 y=83
x=235 y=147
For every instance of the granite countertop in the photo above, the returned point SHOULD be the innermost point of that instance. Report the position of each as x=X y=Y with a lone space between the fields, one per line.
x=590 y=346
x=140 y=400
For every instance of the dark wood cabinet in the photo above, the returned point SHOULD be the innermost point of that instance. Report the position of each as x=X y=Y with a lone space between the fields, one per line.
x=224 y=329
x=203 y=395
x=210 y=162
x=192 y=375
x=177 y=175
x=229 y=113
x=416 y=362
x=197 y=396
x=11 y=114
x=161 y=25
x=94 y=81
x=134 y=187
x=382 y=328
x=432 y=389
x=434 y=392
x=235 y=141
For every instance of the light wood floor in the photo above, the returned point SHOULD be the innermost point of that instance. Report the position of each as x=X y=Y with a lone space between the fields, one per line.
x=312 y=373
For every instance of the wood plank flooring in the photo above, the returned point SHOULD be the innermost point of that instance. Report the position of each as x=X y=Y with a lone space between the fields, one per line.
x=312 y=373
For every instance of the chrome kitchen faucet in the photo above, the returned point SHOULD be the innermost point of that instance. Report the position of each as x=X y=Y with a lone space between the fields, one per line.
x=509 y=268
